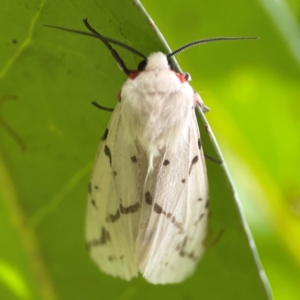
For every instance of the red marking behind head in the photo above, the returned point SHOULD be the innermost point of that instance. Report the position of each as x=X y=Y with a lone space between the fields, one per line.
x=181 y=77
x=134 y=74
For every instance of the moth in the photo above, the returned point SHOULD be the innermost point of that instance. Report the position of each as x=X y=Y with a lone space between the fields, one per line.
x=147 y=208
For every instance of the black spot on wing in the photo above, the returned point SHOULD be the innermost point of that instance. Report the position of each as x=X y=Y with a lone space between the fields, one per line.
x=166 y=162
x=183 y=253
x=113 y=217
x=133 y=159
x=183 y=181
x=102 y=240
x=129 y=209
x=111 y=258
x=148 y=198
x=157 y=208
x=200 y=218
x=182 y=245
x=107 y=153
x=191 y=255
x=177 y=224
x=104 y=137
x=207 y=204
x=93 y=202
x=105 y=236
x=194 y=161
x=199 y=144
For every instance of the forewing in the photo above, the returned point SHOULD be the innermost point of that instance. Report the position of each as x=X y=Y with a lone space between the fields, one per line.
x=113 y=208
x=174 y=212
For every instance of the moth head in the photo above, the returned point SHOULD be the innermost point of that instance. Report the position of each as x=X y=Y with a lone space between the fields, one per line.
x=155 y=61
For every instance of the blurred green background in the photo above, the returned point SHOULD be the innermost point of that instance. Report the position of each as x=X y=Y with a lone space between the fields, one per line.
x=252 y=89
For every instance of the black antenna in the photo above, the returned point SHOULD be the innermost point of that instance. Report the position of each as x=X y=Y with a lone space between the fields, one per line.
x=110 y=40
x=217 y=39
x=106 y=42
x=113 y=52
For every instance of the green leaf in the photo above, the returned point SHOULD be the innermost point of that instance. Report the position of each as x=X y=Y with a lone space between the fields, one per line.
x=50 y=134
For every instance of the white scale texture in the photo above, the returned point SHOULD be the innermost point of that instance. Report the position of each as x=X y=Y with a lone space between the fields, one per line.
x=147 y=205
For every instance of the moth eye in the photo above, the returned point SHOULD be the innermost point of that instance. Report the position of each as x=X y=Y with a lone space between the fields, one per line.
x=171 y=65
x=142 y=65
x=187 y=76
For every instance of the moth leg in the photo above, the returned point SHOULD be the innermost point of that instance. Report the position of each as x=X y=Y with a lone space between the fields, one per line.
x=199 y=101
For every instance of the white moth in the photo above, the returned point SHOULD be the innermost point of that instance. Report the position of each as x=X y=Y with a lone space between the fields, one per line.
x=147 y=204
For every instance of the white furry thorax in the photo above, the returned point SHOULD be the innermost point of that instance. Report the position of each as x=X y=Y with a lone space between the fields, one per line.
x=156 y=107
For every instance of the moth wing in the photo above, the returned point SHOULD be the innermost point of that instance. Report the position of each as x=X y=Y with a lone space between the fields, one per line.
x=113 y=208
x=173 y=225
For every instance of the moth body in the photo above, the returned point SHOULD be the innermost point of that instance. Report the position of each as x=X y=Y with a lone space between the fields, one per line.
x=147 y=204
x=156 y=107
